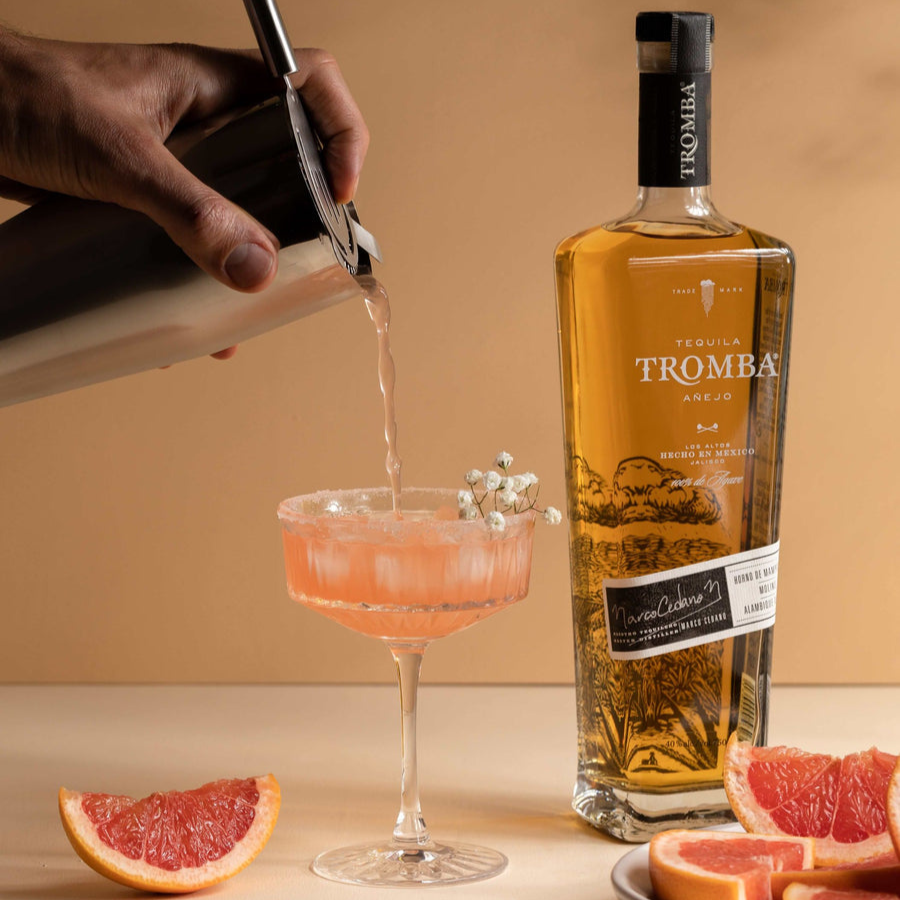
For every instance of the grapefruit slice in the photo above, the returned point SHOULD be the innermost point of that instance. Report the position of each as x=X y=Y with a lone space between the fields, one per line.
x=839 y=801
x=795 y=891
x=173 y=842
x=722 y=865
x=864 y=880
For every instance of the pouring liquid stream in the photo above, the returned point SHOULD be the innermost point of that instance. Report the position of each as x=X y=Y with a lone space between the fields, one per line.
x=379 y=309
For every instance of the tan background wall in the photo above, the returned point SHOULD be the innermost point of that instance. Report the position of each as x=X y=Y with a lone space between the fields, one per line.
x=137 y=533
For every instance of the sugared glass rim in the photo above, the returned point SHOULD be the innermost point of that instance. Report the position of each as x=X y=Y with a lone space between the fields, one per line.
x=351 y=500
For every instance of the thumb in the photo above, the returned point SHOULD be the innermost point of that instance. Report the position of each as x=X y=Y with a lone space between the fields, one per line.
x=224 y=240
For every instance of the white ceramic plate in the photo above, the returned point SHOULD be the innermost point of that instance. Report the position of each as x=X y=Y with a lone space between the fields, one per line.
x=631 y=874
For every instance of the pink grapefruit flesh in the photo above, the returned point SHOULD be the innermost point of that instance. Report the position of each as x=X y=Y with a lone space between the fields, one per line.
x=839 y=801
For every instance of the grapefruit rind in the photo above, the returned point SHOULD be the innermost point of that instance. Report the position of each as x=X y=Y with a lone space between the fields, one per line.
x=136 y=873
x=676 y=878
x=893 y=807
x=829 y=851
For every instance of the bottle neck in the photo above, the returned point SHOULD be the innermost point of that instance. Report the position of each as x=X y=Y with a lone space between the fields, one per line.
x=672 y=204
x=673 y=151
x=673 y=130
x=675 y=212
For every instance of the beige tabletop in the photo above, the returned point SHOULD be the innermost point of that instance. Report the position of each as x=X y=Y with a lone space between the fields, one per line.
x=496 y=767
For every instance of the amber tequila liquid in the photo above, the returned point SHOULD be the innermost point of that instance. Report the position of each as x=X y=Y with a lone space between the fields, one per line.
x=674 y=327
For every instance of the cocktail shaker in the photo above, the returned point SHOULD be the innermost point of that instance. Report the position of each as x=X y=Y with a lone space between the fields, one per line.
x=91 y=291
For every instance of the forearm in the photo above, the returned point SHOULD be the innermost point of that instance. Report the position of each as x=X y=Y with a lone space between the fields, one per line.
x=16 y=77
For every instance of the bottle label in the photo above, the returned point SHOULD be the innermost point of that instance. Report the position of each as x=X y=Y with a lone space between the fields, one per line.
x=673 y=127
x=691 y=605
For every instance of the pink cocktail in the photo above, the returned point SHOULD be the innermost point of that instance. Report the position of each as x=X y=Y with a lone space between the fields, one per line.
x=410 y=579
x=407 y=579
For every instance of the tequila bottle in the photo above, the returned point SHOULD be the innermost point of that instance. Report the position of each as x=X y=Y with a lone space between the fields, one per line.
x=674 y=328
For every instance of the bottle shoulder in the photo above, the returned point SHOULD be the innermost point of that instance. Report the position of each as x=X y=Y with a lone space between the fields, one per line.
x=669 y=240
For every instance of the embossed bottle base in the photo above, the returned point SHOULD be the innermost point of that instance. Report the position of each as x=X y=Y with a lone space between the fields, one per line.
x=636 y=816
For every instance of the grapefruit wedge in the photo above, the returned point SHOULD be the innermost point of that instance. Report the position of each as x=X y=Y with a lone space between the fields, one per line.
x=796 y=891
x=839 y=801
x=841 y=880
x=174 y=842
x=722 y=865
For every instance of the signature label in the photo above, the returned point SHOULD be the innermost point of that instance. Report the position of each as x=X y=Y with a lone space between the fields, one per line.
x=692 y=605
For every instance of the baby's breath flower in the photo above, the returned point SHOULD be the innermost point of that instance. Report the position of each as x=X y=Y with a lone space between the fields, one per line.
x=507 y=497
x=503 y=460
x=511 y=493
x=552 y=516
x=495 y=520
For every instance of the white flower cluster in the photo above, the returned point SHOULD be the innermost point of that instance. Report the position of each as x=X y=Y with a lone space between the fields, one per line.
x=552 y=516
x=511 y=493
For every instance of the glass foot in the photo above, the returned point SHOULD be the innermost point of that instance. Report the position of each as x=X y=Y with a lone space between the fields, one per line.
x=391 y=866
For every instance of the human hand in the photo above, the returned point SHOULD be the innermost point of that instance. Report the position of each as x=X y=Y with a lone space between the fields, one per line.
x=91 y=120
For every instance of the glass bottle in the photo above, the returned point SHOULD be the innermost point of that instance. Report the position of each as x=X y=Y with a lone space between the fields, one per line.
x=674 y=330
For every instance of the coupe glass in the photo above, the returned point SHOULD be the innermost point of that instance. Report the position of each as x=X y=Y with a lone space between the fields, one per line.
x=406 y=579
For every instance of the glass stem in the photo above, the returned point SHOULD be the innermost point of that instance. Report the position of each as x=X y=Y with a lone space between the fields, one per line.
x=410 y=830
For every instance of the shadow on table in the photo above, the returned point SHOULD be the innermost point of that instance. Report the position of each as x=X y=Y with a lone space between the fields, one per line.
x=73 y=889
x=69 y=890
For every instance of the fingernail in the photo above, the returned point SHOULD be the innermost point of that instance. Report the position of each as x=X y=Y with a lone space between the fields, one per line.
x=248 y=264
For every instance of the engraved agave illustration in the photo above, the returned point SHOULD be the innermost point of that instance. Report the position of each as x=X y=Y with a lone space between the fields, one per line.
x=658 y=714
x=641 y=491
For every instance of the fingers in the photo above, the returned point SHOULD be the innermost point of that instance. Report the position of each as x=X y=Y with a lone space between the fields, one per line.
x=207 y=81
x=220 y=237
x=22 y=193
x=336 y=118
x=203 y=81
x=227 y=353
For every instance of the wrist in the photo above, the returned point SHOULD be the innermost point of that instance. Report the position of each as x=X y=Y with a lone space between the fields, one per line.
x=16 y=75
x=6 y=36
x=10 y=47
x=7 y=91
